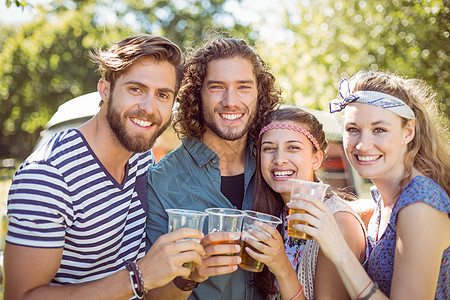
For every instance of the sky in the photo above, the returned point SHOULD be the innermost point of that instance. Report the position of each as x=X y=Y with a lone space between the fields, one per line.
x=262 y=14
x=15 y=15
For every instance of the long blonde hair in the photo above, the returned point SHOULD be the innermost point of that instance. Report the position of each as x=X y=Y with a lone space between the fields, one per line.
x=429 y=151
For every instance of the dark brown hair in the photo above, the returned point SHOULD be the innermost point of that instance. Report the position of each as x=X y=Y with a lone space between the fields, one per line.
x=266 y=199
x=188 y=121
x=120 y=56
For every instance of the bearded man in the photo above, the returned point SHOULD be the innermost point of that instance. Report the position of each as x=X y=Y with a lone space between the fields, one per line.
x=77 y=205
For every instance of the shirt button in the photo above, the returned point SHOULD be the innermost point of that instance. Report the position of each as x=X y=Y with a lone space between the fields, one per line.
x=214 y=160
x=207 y=165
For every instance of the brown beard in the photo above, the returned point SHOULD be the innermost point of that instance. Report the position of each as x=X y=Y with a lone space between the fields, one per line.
x=225 y=135
x=129 y=142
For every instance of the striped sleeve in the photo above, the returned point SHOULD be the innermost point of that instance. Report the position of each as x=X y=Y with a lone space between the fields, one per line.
x=39 y=207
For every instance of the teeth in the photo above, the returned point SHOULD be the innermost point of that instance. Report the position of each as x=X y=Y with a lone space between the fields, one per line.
x=141 y=122
x=282 y=173
x=368 y=158
x=231 y=117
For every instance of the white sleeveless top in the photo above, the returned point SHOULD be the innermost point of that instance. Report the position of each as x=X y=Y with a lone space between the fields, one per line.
x=308 y=262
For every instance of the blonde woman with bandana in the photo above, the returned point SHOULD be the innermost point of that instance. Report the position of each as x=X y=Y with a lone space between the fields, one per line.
x=392 y=136
x=291 y=144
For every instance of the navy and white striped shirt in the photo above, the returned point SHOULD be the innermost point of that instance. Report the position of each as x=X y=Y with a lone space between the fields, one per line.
x=63 y=197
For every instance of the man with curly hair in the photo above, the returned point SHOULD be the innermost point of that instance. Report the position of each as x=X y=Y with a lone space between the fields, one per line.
x=226 y=92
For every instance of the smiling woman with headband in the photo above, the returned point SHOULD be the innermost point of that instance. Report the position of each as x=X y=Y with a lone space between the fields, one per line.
x=394 y=137
x=291 y=145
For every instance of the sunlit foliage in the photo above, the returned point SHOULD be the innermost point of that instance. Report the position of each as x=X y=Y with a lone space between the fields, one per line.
x=46 y=62
x=332 y=39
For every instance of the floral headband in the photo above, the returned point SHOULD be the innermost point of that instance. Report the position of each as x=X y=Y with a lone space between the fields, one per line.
x=289 y=126
x=379 y=99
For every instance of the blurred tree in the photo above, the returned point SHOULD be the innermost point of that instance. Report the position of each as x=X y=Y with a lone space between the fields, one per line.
x=18 y=3
x=184 y=22
x=43 y=64
x=332 y=39
x=46 y=62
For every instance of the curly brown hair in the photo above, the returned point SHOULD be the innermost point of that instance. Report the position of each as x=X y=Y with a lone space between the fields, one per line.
x=428 y=151
x=188 y=120
x=266 y=199
x=120 y=56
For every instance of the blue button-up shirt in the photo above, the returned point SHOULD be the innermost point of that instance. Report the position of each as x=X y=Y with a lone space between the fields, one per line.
x=189 y=178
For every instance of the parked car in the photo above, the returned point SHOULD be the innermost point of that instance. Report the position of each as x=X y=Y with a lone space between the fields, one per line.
x=70 y=114
x=77 y=111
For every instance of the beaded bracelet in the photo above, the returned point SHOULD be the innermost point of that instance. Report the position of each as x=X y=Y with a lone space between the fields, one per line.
x=137 y=282
x=370 y=294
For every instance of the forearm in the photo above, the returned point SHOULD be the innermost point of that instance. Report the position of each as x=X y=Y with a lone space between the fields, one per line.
x=29 y=271
x=354 y=276
x=116 y=286
x=289 y=284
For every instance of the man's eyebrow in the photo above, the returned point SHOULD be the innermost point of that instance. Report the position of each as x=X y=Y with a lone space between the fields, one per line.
x=136 y=82
x=214 y=82
x=238 y=81
x=166 y=90
x=246 y=81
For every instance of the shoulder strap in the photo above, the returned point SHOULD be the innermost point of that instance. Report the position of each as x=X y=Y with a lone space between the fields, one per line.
x=307 y=266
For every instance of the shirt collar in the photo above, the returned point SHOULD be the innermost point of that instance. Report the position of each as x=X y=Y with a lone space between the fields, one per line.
x=202 y=154
x=199 y=151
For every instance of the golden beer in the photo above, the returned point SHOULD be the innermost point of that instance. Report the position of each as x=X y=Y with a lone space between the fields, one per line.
x=190 y=265
x=236 y=242
x=253 y=221
x=249 y=263
x=294 y=232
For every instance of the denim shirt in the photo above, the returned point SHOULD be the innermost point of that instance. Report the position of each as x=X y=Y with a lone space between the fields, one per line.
x=189 y=178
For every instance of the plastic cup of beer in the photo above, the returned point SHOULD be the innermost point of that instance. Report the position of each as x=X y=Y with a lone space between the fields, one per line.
x=251 y=222
x=225 y=219
x=304 y=190
x=184 y=218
